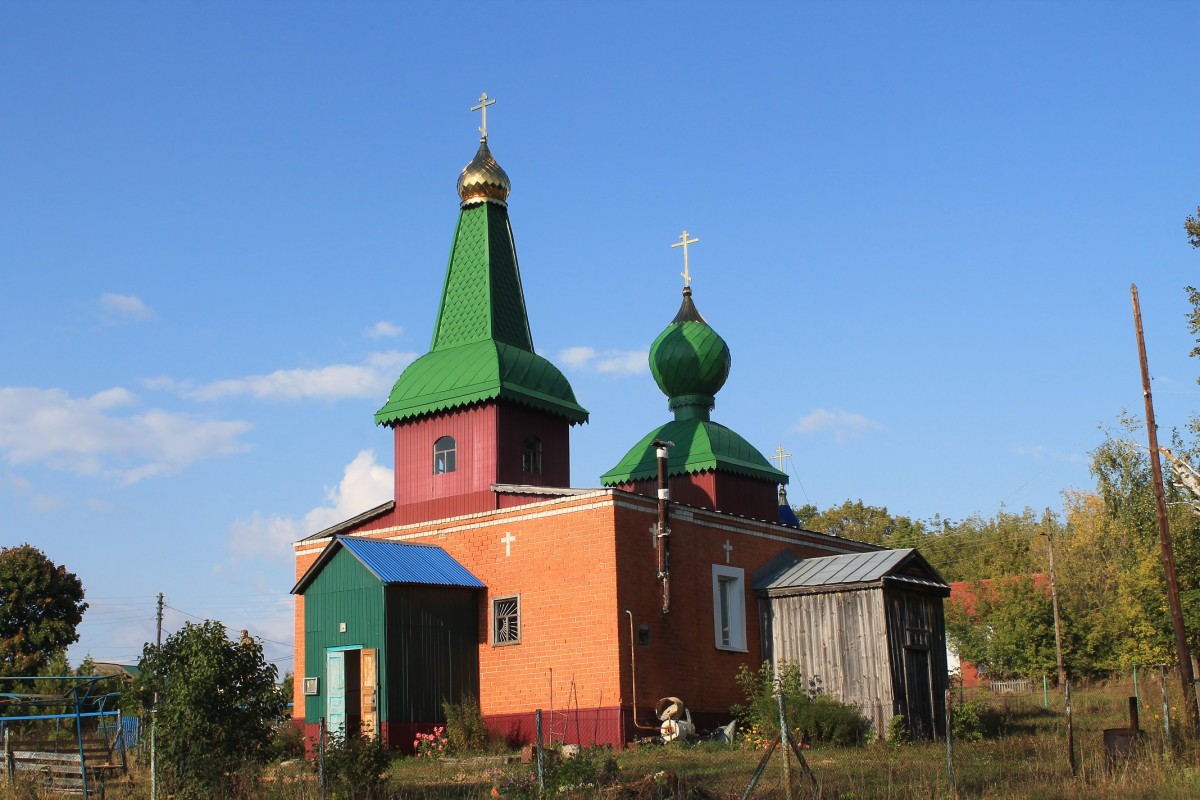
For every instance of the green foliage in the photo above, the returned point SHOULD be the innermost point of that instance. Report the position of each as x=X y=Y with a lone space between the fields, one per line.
x=897 y=731
x=807 y=708
x=218 y=703
x=590 y=768
x=287 y=742
x=465 y=729
x=355 y=768
x=1009 y=631
x=41 y=605
x=966 y=721
x=863 y=523
x=1191 y=226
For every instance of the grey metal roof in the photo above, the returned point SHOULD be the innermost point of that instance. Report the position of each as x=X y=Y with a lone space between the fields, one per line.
x=396 y=562
x=850 y=568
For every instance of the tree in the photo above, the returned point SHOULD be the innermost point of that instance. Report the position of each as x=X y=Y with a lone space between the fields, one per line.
x=41 y=605
x=217 y=705
x=1009 y=630
x=855 y=520
x=1191 y=226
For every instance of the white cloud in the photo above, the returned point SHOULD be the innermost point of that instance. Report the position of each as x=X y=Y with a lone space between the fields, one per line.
x=125 y=306
x=843 y=425
x=372 y=378
x=383 y=328
x=364 y=485
x=88 y=435
x=613 y=362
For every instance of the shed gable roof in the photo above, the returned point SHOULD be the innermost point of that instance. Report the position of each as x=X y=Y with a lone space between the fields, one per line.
x=395 y=562
x=829 y=572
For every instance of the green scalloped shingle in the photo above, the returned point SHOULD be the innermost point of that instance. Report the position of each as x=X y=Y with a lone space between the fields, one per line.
x=482 y=348
x=699 y=445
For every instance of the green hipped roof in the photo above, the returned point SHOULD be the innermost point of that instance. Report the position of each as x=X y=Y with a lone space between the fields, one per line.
x=482 y=348
x=699 y=445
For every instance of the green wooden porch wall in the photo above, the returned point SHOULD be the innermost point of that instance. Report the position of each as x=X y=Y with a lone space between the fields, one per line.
x=344 y=591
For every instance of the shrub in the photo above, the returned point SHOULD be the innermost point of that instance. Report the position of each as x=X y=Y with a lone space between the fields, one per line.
x=897 y=731
x=287 y=742
x=592 y=767
x=354 y=768
x=465 y=730
x=966 y=721
x=808 y=709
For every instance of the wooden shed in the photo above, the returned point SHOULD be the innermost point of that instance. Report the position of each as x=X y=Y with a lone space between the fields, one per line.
x=869 y=626
x=390 y=631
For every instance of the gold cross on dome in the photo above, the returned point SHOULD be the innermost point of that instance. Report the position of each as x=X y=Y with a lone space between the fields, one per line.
x=484 y=102
x=683 y=242
x=780 y=456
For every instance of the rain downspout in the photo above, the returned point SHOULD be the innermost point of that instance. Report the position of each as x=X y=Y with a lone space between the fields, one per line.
x=663 y=531
x=633 y=675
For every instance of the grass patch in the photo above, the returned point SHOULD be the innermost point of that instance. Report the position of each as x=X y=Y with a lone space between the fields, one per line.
x=1022 y=756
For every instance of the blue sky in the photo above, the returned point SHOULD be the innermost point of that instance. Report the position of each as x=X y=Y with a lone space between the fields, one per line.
x=224 y=229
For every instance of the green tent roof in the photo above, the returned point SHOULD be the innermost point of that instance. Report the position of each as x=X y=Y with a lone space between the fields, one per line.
x=699 y=445
x=482 y=348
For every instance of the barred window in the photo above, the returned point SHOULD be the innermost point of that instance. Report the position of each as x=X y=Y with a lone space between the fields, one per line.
x=506 y=620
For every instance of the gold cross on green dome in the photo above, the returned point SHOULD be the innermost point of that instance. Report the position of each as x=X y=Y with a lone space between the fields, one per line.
x=683 y=242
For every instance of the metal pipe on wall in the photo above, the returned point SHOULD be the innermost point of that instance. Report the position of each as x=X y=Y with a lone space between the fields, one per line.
x=662 y=534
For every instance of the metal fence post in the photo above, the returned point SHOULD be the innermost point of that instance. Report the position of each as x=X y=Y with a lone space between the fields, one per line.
x=950 y=745
x=321 y=758
x=783 y=738
x=541 y=762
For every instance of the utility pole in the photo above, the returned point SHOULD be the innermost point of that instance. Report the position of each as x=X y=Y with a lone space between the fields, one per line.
x=154 y=710
x=1062 y=672
x=1186 y=676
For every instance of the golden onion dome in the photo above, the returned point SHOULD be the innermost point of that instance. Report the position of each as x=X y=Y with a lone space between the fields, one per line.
x=483 y=180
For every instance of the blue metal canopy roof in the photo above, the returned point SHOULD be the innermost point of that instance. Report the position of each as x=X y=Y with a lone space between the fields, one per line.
x=396 y=562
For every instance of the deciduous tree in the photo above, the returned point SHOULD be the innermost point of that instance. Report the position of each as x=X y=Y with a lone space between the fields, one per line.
x=217 y=705
x=41 y=604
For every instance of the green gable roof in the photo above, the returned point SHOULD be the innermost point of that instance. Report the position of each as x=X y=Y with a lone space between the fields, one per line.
x=482 y=348
x=699 y=445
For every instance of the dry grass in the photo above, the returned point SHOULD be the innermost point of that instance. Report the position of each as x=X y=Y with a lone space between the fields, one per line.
x=1023 y=758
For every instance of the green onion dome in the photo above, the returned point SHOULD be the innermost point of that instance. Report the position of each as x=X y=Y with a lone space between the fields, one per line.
x=690 y=362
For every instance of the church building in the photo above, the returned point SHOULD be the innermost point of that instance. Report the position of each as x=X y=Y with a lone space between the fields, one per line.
x=488 y=575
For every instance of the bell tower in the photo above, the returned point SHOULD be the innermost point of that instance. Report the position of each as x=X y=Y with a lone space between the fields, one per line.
x=481 y=407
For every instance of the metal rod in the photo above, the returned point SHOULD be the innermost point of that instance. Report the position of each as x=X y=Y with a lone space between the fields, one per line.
x=783 y=734
x=541 y=762
x=1191 y=710
x=662 y=537
x=1070 y=731
x=633 y=676
x=950 y=747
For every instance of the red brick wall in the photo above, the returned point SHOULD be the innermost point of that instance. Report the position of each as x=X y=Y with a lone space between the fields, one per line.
x=577 y=563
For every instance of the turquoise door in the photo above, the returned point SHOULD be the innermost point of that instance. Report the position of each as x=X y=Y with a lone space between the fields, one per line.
x=335 y=696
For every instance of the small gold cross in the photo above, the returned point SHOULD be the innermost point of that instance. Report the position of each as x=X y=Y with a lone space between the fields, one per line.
x=780 y=456
x=683 y=242
x=483 y=104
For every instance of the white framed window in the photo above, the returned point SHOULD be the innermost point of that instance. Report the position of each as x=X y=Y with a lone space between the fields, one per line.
x=729 y=607
x=506 y=620
x=443 y=455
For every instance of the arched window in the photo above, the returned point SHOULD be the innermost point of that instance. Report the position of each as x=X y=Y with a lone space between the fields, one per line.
x=443 y=455
x=531 y=456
